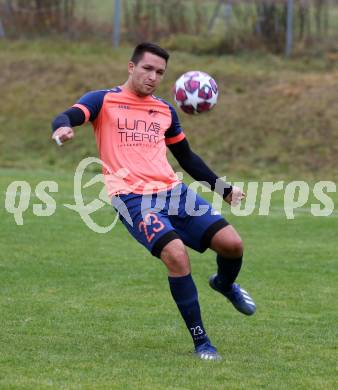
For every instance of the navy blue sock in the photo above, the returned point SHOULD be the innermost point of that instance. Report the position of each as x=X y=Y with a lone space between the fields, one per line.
x=184 y=292
x=227 y=271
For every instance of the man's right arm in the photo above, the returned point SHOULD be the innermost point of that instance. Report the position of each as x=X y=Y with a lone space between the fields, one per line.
x=86 y=109
x=74 y=116
x=63 y=123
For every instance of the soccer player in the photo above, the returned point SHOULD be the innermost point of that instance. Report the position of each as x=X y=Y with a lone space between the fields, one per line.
x=133 y=129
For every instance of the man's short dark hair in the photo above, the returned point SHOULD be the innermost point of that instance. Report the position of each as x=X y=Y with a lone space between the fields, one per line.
x=147 y=47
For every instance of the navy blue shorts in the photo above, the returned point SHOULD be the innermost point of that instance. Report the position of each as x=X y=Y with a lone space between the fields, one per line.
x=156 y=219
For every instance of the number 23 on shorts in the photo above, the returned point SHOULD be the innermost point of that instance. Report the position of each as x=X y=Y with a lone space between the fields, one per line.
x=150 y=226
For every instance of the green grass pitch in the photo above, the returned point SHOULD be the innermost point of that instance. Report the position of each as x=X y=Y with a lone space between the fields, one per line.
x=81 y=310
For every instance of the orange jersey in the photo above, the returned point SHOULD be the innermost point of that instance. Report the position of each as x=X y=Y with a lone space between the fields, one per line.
x=131 y=135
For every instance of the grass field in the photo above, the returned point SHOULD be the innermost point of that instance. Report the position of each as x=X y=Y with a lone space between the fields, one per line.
x=90 y=311
x=94 y=311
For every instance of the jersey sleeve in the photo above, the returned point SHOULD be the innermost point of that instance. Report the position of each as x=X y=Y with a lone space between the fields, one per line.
x=175 y=132
x=91 y=104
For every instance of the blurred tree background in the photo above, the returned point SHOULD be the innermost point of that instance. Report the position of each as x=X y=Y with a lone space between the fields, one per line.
x=198 y=26
x=275 y=115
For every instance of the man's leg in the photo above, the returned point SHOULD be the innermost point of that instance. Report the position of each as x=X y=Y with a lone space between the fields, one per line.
x=184 y=292
x=229 y=248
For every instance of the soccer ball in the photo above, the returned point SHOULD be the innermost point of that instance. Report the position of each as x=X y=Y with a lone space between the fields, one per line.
x=195 y=92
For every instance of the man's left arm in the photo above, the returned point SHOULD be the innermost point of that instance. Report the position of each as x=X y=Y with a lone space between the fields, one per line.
x=198 y=170
x=194 y=165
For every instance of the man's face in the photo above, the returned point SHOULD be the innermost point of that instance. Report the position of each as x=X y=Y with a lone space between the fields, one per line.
x=146 y=74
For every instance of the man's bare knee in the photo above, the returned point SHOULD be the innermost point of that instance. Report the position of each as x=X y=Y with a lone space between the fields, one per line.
x=227 y=243
x=174 y=255
x=233 y=249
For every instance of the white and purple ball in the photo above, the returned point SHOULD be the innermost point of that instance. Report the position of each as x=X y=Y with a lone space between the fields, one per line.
x=195 y=92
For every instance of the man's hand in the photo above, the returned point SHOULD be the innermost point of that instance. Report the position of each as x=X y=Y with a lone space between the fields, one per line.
x=235 y=196
x=63 y=134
